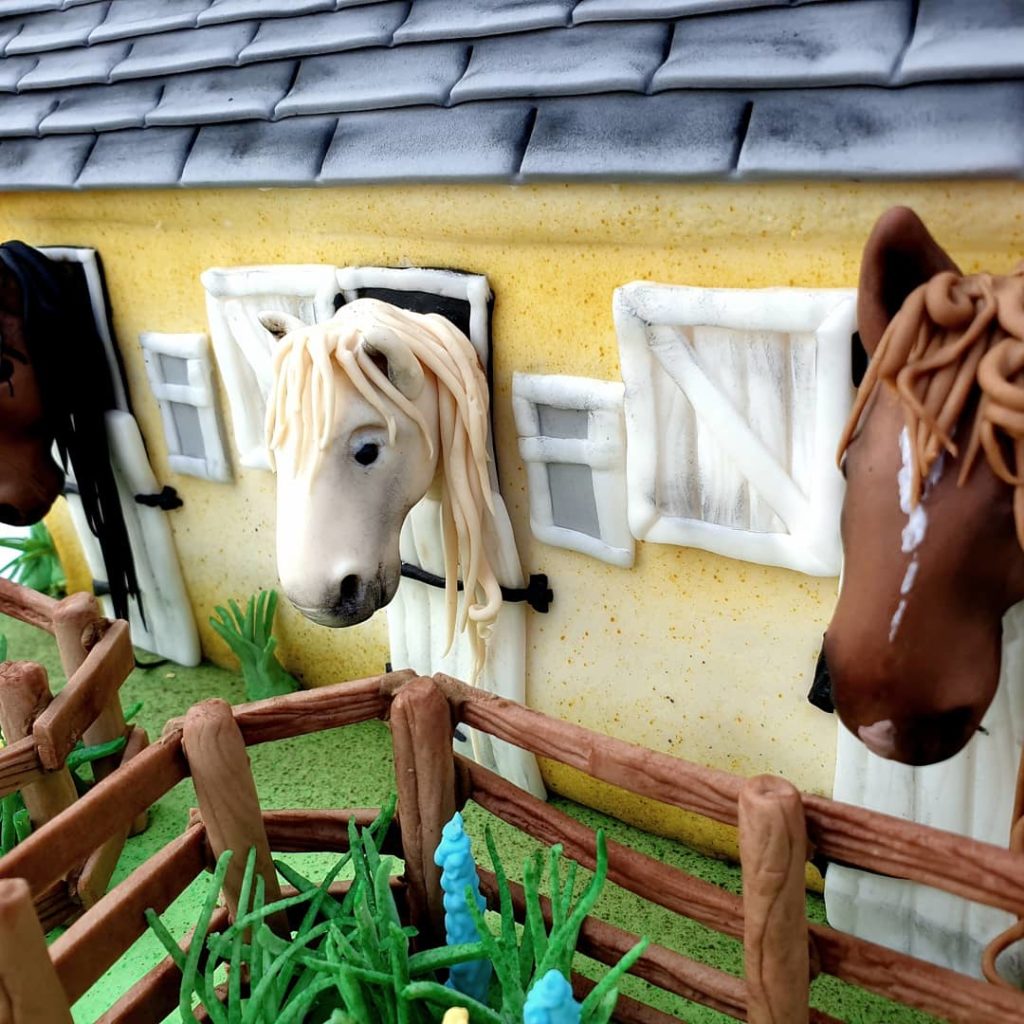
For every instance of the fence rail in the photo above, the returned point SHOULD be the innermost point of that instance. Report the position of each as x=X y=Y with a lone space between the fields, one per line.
x=41 y=731
x=432 y=782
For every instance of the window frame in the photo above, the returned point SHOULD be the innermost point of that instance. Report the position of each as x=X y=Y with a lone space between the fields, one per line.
x=603 y=451
x=194 y=350
x=812 y=544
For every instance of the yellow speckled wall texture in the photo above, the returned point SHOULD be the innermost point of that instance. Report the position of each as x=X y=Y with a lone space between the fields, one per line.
x=688 y=652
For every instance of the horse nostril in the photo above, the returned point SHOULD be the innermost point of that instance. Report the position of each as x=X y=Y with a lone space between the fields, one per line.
x=12 y=516
x=349 y=588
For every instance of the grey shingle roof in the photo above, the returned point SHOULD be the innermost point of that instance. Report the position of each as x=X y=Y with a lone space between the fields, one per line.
x=121 y=93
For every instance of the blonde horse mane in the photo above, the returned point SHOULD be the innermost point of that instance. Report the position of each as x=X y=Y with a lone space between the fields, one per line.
x=951 y=334
x=300 y=414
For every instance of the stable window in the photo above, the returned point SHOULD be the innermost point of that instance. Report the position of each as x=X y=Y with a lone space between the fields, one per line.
x=235 y=296
x=181 y=376
x=734 y=404
x=572 y=440
x=465 y=299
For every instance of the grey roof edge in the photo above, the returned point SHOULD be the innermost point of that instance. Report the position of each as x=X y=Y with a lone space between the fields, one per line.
x=751 y=138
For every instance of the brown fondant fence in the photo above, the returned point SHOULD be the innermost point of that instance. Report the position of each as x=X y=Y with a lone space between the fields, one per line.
x=778 y=829
x=41 y=730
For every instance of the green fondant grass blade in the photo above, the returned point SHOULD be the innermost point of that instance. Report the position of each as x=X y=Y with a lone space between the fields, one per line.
x=432 y=992
x=445 y=956
x=235 y=966
x=534 y=916
x=190 y=972
x=607 y=984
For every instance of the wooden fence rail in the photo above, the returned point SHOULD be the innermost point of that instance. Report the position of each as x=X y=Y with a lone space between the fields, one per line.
x=41 y=731
x=873 y=841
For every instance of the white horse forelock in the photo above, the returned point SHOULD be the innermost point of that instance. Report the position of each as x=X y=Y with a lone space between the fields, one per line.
x=301 y=414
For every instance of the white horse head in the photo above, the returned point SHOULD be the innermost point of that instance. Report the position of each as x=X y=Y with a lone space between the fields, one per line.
x=370 y=411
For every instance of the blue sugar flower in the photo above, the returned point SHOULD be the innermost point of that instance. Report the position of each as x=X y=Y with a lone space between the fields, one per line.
x=550 y=1001
x=454 y=856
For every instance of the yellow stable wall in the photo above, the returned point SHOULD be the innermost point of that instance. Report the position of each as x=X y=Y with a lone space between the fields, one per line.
x=688 y=652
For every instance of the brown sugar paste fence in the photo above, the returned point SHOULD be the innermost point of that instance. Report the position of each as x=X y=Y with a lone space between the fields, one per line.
x=40 y=730
x=778 y=829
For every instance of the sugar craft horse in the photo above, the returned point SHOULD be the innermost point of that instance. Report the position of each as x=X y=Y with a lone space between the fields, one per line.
x=933 y=524
x=925 y=650
x=372 y=413
x=55 y=392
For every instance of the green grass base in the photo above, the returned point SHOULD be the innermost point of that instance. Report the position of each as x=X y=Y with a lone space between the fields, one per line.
x=353 y=767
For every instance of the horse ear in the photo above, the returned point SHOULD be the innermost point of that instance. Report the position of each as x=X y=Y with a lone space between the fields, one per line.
x=279 y=324
x=900 y=255
x=404 y=370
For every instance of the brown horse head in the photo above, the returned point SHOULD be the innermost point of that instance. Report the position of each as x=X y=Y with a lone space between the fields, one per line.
x=30 y=480
x=933 y=521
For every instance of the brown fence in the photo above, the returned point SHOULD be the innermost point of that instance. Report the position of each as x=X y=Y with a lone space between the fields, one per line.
x=40 y=730
x=779 y=827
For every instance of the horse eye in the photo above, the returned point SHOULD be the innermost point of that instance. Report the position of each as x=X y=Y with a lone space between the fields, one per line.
x=367 y=454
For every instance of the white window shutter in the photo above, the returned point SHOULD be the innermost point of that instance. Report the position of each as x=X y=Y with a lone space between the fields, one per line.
x=235 y=296
x=735 y=401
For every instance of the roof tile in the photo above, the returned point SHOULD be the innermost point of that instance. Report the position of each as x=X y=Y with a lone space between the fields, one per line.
x=348 y=29
x=9 y=30
x=259 y=152
x=374 y=78
x=626 y=10
x=137 y=158
x=13 y=70
x=461 y=19
x=101 y=108
x=14 y=7
x=53 y=30
x=229 y=94
x=672 y=135
x=221 y=11
x=34 y=164
x=827 y=44
x=84 y=66
x=919 y=131
x=473 y=142
x=952 y=39
x=22 y=114
x=565 y=61
x=192 y=49
x=127 y=19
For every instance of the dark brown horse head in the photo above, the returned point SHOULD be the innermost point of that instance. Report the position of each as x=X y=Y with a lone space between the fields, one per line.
x=30 y=480
x=933 y=521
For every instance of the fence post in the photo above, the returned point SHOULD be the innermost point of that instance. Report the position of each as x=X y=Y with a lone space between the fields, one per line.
x=30 y=991
x=77 y=625
x=24 y=694
x=421 y=730
x=94 y=878
x=773 y=853
x=228 y=800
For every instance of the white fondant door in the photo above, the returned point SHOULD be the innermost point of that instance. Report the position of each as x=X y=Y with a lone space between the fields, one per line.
x=418 y=634
x=169 y=628
x=971 y=794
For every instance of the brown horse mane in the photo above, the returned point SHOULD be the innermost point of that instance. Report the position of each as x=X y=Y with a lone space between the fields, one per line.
x=956 y=344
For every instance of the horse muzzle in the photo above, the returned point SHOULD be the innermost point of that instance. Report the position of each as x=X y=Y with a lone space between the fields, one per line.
x=920 y=739
x=355 y=599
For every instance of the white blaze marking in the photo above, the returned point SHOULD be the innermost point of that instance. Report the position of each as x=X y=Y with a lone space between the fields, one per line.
x=917 y=520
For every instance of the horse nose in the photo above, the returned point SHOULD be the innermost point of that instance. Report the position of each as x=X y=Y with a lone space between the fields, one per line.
x=921 y=739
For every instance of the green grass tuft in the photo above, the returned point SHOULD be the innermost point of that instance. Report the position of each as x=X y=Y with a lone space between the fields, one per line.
x=248 y=635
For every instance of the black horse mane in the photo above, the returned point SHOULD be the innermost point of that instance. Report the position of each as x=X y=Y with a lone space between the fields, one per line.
x=70 y=365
